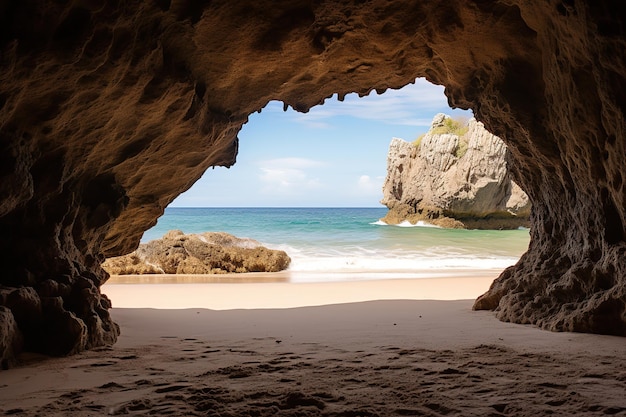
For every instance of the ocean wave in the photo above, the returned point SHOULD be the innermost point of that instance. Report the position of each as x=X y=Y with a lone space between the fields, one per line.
x=390 y=265
x=420 y=223
x=367 y=260
x=406 y=223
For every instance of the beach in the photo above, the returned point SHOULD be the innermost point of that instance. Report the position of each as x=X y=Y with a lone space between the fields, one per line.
x=333 y=244
x=276 y=290
x=409 y=347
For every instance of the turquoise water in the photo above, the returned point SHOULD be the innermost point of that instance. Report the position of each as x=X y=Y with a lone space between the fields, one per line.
x=352 y=243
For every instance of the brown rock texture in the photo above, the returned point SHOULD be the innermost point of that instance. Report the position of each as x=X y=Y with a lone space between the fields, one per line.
x=203 y=253
x=108 y=110
x=10 y=338
x=455 y=175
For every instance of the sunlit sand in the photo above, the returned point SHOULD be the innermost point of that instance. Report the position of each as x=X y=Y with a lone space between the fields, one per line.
x=272 y=290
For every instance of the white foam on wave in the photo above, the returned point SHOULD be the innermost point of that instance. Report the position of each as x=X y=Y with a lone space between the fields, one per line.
x=420 y=223
x=406 y=223
x=355 y=264
x=426 y=224
x=364 y=260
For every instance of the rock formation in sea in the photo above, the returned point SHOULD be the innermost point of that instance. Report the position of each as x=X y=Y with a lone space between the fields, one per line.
x=453 y=176
x=109 y=110
x=202 y=253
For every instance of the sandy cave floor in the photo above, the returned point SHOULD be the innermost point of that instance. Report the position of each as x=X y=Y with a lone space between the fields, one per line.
x=367 y=348
x=376 y=358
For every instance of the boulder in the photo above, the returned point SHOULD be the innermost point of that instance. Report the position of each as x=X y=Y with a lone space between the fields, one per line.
x=453 y=176
x=10 y=338
x=203 y=253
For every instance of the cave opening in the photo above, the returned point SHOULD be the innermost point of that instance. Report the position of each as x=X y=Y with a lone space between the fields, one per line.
x=311 y=184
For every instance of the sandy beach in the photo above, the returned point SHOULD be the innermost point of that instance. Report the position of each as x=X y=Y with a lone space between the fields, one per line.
x=277 y=290
x=364 y=348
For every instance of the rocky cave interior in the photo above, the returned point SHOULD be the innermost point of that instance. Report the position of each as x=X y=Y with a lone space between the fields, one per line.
x=109 y=110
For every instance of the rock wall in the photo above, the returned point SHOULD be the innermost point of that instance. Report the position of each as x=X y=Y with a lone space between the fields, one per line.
x=203 y=253
x=109 y=110
x=453 y=179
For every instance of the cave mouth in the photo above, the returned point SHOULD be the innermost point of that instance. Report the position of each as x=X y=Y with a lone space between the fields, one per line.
x=333 y=156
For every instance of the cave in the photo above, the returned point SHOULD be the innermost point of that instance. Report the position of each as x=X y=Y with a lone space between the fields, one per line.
x=109 y=110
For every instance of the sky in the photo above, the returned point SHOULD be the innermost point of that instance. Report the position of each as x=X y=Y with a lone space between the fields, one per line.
x=333 y=156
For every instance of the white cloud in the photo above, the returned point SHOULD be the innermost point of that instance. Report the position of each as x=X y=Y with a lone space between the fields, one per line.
x=364 y=181
x=291 y=162
x=370 y=186
x=282 y=177
x=402 y=106
x=412 y=105
x=288 y=175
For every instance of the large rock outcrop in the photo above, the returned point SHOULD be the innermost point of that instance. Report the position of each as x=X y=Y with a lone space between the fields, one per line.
x=453 y=176
x=109 y=110
x=203 y=253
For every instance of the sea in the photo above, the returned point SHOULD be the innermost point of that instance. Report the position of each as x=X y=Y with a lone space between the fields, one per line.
x=344 y=244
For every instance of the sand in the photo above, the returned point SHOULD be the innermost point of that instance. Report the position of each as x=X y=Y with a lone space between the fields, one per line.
x=366 y=348
x=274 y=291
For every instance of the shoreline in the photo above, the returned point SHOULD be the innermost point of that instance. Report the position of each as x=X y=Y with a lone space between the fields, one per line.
x=298 y=277
x=273 y=290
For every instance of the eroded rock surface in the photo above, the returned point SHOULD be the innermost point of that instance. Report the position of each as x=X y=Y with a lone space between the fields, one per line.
x=108 y=110
x=203 y=253
x=453 y=179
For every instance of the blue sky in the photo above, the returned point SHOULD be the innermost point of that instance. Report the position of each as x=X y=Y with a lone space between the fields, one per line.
x=333 y=156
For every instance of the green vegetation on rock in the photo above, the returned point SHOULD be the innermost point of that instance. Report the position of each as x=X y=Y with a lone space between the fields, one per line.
x=451 y=126
x=458 y=127
x=417 y=142
x=461 y=149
